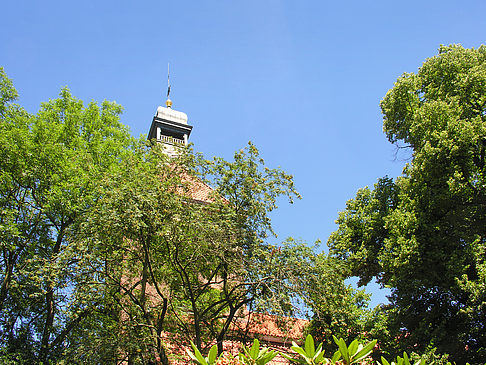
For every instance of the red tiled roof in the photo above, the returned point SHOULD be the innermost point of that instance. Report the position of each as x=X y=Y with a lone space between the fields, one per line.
x=193 y=187
x=280 y=329
x=199 y=190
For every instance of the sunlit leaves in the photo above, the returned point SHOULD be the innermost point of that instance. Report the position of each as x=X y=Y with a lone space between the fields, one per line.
x=424 y=245
x=48 y=182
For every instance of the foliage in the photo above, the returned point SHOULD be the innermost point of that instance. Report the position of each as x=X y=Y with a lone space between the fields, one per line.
x=255 y=355
x=7 y=92
x=49 y=167
x=308 y=354
x=248 y=356
x=355 y=352
x=416 y=359
x=402 y=361
x=423 y=234
x=198 y=358
x=337 y=308
x=431 y=357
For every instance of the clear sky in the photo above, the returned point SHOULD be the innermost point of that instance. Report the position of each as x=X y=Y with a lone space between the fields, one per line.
x=301 y=79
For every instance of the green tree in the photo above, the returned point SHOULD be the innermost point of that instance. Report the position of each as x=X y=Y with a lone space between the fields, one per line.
x=423 y=235
x=125 y=233
x=337 y=308
x=186 y=266
x=49 y=167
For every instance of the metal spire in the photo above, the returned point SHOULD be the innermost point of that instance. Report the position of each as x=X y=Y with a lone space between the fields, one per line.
x=168 y=80
x=168 y=103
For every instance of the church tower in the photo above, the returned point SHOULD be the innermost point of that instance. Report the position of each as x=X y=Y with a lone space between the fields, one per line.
x=170 y=127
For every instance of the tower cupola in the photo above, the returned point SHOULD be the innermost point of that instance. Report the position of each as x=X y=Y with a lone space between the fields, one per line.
x=170 y=127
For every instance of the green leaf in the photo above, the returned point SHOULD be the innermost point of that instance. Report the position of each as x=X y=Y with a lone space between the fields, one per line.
x=255 y=348
x=384 y=361
x=293 y=359
x=269 y=356
x=365 y=351
x=198 y=356
x=213 y=353
x=342 y=348
x=336 y=356
x=319 y=356
x=299 y=350
x=406 y=360
x=309 y=346
x=352 y=348
x=191 y=355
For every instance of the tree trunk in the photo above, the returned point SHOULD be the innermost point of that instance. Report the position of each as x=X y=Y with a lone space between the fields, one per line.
x=160 y=321
x=47 y=326
x=12 y=258
x=50 y=307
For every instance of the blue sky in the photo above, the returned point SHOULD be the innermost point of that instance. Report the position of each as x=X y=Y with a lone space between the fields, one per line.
x=301 y=79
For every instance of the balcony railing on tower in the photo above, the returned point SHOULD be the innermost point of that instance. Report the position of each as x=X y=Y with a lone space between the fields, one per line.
x=171 y=140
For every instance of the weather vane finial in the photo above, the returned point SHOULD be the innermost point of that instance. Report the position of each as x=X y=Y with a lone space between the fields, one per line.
x=168 y=102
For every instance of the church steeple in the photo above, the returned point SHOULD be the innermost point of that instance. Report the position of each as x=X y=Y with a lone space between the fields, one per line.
x=170 y=126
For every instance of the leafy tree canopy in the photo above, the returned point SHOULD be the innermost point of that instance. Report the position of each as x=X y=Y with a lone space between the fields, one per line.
x=50 y=165
x=424 y=234
x=338 y=309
